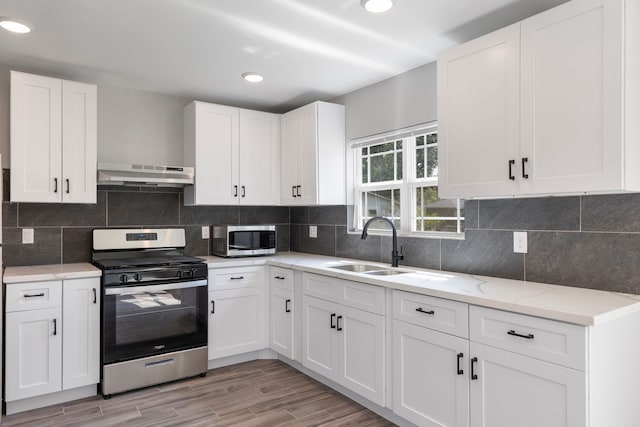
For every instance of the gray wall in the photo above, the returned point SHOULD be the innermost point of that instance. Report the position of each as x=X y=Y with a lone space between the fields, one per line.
x=404 y=100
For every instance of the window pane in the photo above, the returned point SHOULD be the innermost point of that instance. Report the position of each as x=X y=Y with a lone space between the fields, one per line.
x=399 y=165
x=365 y=170
x=432 y=138
x=399 y=144
x=381 y=148
x=382 y=168
x=420 y=163
x=365 y=151
x=382 y=203
x=441 y=225
x=419 y=140
x=432 y=161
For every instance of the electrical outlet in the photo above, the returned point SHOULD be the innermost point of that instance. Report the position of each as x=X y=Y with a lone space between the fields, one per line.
x=313 y=231
x=27 y=236
x=205 y=231
x=520 y=242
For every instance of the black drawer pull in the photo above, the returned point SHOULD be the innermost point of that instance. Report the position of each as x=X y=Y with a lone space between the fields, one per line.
x=298 y=187
x=333 y=316
x=55 y=183
x=339 y=328
x=95 y=296
x=67 y=185
x=235 y=191
x=422 y=310
x=244 y=192
x=293 y=191
x=237 y=278
x=515 y=334
x=213 y=307
x=278 y=277
x=287 y=308
x=41 y=294
x=55 y=327
x=525 y=175
x=460 y=356
x=473 y=371
x=511 y=163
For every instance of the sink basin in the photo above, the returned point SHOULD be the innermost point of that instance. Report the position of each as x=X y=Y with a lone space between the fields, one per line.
x=385 y=272
x=373 y=270
x=357 y=268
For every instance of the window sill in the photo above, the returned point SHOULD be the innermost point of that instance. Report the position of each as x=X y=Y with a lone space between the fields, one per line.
x=419 y=235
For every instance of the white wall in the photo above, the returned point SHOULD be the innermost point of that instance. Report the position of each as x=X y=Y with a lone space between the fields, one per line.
x=133 y=126
x=400 y=101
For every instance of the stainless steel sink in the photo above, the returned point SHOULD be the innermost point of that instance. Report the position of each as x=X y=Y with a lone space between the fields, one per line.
x=357 y=268
x=373 y=270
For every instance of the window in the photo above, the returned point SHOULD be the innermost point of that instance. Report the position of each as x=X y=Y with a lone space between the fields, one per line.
x=396 y=176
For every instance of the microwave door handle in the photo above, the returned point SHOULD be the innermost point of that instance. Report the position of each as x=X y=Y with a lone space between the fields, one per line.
x=133 y=290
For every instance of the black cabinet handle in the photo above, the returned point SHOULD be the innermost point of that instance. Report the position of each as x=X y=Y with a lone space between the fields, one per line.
x=237 y=278
x=235 y=191
x=55 y=327
x=287 y=308
x=243 y=191
x=213 y=307
x=293 y=191
x=95 y=296
x=41 y=294
x=473 y=371
x=333 y=316
x=511 y=163
x=55 y=183
x=278 y=277
x=515 y=334
x=67 y=185
x=339 y=328
x=298 y=187
x=422 y=310
x=524 y=162
x=460 y=356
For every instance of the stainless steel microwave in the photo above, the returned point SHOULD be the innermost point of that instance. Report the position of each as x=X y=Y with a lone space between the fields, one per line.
x=243 y=240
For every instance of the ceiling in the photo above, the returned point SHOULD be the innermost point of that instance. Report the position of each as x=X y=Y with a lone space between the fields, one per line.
x=197 y=49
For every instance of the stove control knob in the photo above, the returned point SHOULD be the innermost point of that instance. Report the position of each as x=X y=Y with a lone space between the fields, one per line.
x=137 y=276
x=124 y=279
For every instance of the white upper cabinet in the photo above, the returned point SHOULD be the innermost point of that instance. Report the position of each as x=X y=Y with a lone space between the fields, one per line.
x=53 y=140
x=235 y=153
x=313 y=155
x=544 y=106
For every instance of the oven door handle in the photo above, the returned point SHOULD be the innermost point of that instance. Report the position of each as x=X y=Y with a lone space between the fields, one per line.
x=133 y=290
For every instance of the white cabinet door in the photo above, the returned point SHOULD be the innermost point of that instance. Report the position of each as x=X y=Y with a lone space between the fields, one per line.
x=237 y=324
x=290 y=154
x=259 y=158
x=320 y=351
x=36 y=138
x=81 y=338
x=34 y=352
x=478 y=115
x=307 y=185
x=572 y=84
x=79 y=142
x=430 y=376
x=281 y=313
x=514 y=390
x=362 y=336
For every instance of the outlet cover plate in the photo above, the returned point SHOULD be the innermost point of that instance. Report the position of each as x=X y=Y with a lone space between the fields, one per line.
x=27 y=236
x=205 y=232
x=520 y=242
x=313 y=231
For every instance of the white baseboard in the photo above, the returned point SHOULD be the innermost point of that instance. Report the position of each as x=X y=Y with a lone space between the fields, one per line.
x=51 y=399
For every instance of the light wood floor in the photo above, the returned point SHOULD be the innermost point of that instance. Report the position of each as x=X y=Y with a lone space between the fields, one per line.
x=259 y=393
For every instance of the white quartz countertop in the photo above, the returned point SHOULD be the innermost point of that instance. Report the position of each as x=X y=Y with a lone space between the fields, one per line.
x=564 y=303
x=39 y=273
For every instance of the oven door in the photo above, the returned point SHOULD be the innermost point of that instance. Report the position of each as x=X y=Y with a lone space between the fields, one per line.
x=141 y=321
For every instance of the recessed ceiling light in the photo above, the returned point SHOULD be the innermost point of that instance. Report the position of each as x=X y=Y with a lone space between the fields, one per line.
x=252 y=77
x=377 y=6
x=14 y=26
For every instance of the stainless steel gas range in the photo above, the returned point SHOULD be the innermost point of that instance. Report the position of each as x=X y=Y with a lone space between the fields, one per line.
x=154 y=308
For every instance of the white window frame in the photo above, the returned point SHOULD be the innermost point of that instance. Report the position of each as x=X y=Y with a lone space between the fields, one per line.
x=407 y=186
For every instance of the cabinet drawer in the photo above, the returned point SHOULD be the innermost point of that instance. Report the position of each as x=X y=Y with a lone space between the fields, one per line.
x=362 y=296
x=235 y=278
x=33 y=295
x=323 y=287
x=544 y=339
x=439 y=314
x=281 y=278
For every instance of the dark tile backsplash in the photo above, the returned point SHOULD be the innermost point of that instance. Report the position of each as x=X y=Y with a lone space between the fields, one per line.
x=586 y=241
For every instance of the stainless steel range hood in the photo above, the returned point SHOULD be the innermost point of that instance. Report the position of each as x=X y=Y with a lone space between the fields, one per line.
x=150 y=175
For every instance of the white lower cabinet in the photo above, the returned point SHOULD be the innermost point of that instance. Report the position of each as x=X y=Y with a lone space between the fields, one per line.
x=237 y=319
x=430 y=379
x=281 y=311
x=52 y=337
x=508 y=389
x=343 y=343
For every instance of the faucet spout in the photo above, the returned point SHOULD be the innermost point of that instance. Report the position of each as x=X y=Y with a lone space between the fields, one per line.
x=395 y=256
